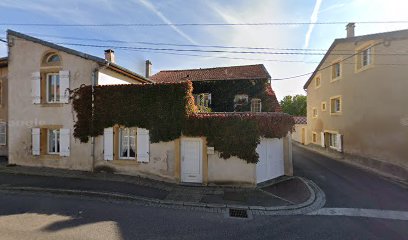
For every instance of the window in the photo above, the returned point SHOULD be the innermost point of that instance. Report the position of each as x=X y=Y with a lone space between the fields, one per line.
x=3 y=133
x=335 y=105
x=203 y=99
x=336 y=71
x=314 y=137
x=256 y=105
x=317 y=81
x=53 y=88
x=53 y=58
x=324 y=106
x=364 y=57
x=53 y=141
x=127 y=143
x=314 y=112
x=333 y=140
x=240 y=101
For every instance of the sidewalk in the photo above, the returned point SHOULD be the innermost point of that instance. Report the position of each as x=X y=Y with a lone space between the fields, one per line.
x=286 y=193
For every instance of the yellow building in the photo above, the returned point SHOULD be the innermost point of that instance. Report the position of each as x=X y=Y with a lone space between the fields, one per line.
x=357 y=100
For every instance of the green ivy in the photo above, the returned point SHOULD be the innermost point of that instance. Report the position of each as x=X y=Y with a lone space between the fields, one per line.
x=168 y=111
x=223 y=93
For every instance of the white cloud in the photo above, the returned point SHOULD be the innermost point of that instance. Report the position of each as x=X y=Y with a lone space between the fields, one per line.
x=313 y=19
x=152 y=8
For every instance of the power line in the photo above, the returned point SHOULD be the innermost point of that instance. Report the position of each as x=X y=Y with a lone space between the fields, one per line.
x=199 y=24
x=323 y=68
x=215 y=51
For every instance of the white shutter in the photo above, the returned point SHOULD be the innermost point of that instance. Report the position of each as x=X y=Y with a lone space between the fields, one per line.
x=35 y=142
x=64 y=85
x=108 y=144
x=36 y=87
x=322 y=139
x=339 y=142
x=143 y=145
x=65 y=138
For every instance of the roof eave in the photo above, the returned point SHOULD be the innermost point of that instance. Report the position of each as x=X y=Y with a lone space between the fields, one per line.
x=321 y=63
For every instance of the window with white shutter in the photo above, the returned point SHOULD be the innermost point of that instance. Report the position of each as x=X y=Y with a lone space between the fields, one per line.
x=143 y=145
x=108 y=144
x=3 y=133
x=35 y=142
x=36 y=87
x=322 y=139
x=64 y=86
x=65 y=138
x=339 y=142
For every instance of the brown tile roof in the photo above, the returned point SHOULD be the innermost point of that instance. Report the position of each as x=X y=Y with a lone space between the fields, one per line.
x=218 y=73
x=273 y=100
x=300 y=120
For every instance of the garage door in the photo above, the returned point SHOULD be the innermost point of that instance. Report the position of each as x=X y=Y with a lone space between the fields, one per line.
x=271 y=163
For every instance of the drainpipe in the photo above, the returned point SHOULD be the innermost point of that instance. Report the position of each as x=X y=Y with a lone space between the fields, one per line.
x=94 y=82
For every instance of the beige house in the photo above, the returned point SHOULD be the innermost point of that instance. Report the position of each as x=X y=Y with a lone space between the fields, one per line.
x=357 y=100
x=299 y=133
x=3 y=107
x=41 y=122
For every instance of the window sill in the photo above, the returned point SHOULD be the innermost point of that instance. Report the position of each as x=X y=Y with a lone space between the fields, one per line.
x=125 y=161
x=362 y=69
x=52 y=104
x=50 y=157
x=335 y=79
x=336 y=113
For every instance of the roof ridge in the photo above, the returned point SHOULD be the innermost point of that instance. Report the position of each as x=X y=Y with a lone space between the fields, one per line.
x=372 y=34
x=71 y=51
x=198 y=69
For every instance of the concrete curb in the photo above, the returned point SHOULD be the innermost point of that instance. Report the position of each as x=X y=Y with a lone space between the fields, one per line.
x=315 y=201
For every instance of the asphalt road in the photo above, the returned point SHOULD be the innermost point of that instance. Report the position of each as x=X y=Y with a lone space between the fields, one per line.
x=44 y=216
x=348 y=186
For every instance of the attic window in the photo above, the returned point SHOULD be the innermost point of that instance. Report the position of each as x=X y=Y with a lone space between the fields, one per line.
x=53 y=58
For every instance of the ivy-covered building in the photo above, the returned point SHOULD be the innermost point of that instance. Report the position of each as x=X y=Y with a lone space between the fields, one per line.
x=244 y=88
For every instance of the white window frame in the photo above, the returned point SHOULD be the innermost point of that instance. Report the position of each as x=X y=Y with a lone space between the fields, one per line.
x=55 y=90
x=366 y=53
x=333 y=140
x=335 y=105
x=3 y=131
x=57 y=141
x=254 y=107
x=336 y=71
x=203 y=99
x=128 y=133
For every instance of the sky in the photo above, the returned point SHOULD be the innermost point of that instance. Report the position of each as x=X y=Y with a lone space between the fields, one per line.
x=203 y=11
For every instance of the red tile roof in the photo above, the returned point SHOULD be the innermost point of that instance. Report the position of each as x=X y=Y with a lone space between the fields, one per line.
x=219 y=73
x=300 y=120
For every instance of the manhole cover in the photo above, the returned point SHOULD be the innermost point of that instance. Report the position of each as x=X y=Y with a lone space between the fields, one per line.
x=238 y=213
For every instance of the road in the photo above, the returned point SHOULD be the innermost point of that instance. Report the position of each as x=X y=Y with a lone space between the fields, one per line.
x=45 y=216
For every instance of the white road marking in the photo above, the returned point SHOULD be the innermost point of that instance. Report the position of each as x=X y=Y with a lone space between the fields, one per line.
x=362 y=212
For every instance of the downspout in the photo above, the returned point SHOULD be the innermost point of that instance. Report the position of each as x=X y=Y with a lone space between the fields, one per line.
x=94 y=82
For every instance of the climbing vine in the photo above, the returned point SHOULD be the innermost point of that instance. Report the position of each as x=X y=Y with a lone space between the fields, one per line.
x=238 y=134
x=223 y=93
x=168 y=111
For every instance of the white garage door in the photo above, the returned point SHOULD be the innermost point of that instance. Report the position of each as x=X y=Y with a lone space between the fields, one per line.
x=270 y=164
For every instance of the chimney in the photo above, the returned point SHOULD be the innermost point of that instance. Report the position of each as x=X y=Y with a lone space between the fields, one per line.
x=110 y=55
x=350 y=29
x=148 y=68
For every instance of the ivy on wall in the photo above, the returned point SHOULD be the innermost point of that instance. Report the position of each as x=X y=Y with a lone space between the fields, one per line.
x=223 y=93
x=161 y=108
x=238 y=134
x=168 y=111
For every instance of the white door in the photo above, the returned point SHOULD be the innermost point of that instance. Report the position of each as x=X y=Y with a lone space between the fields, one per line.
x=271 y=162
x=191 y=160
